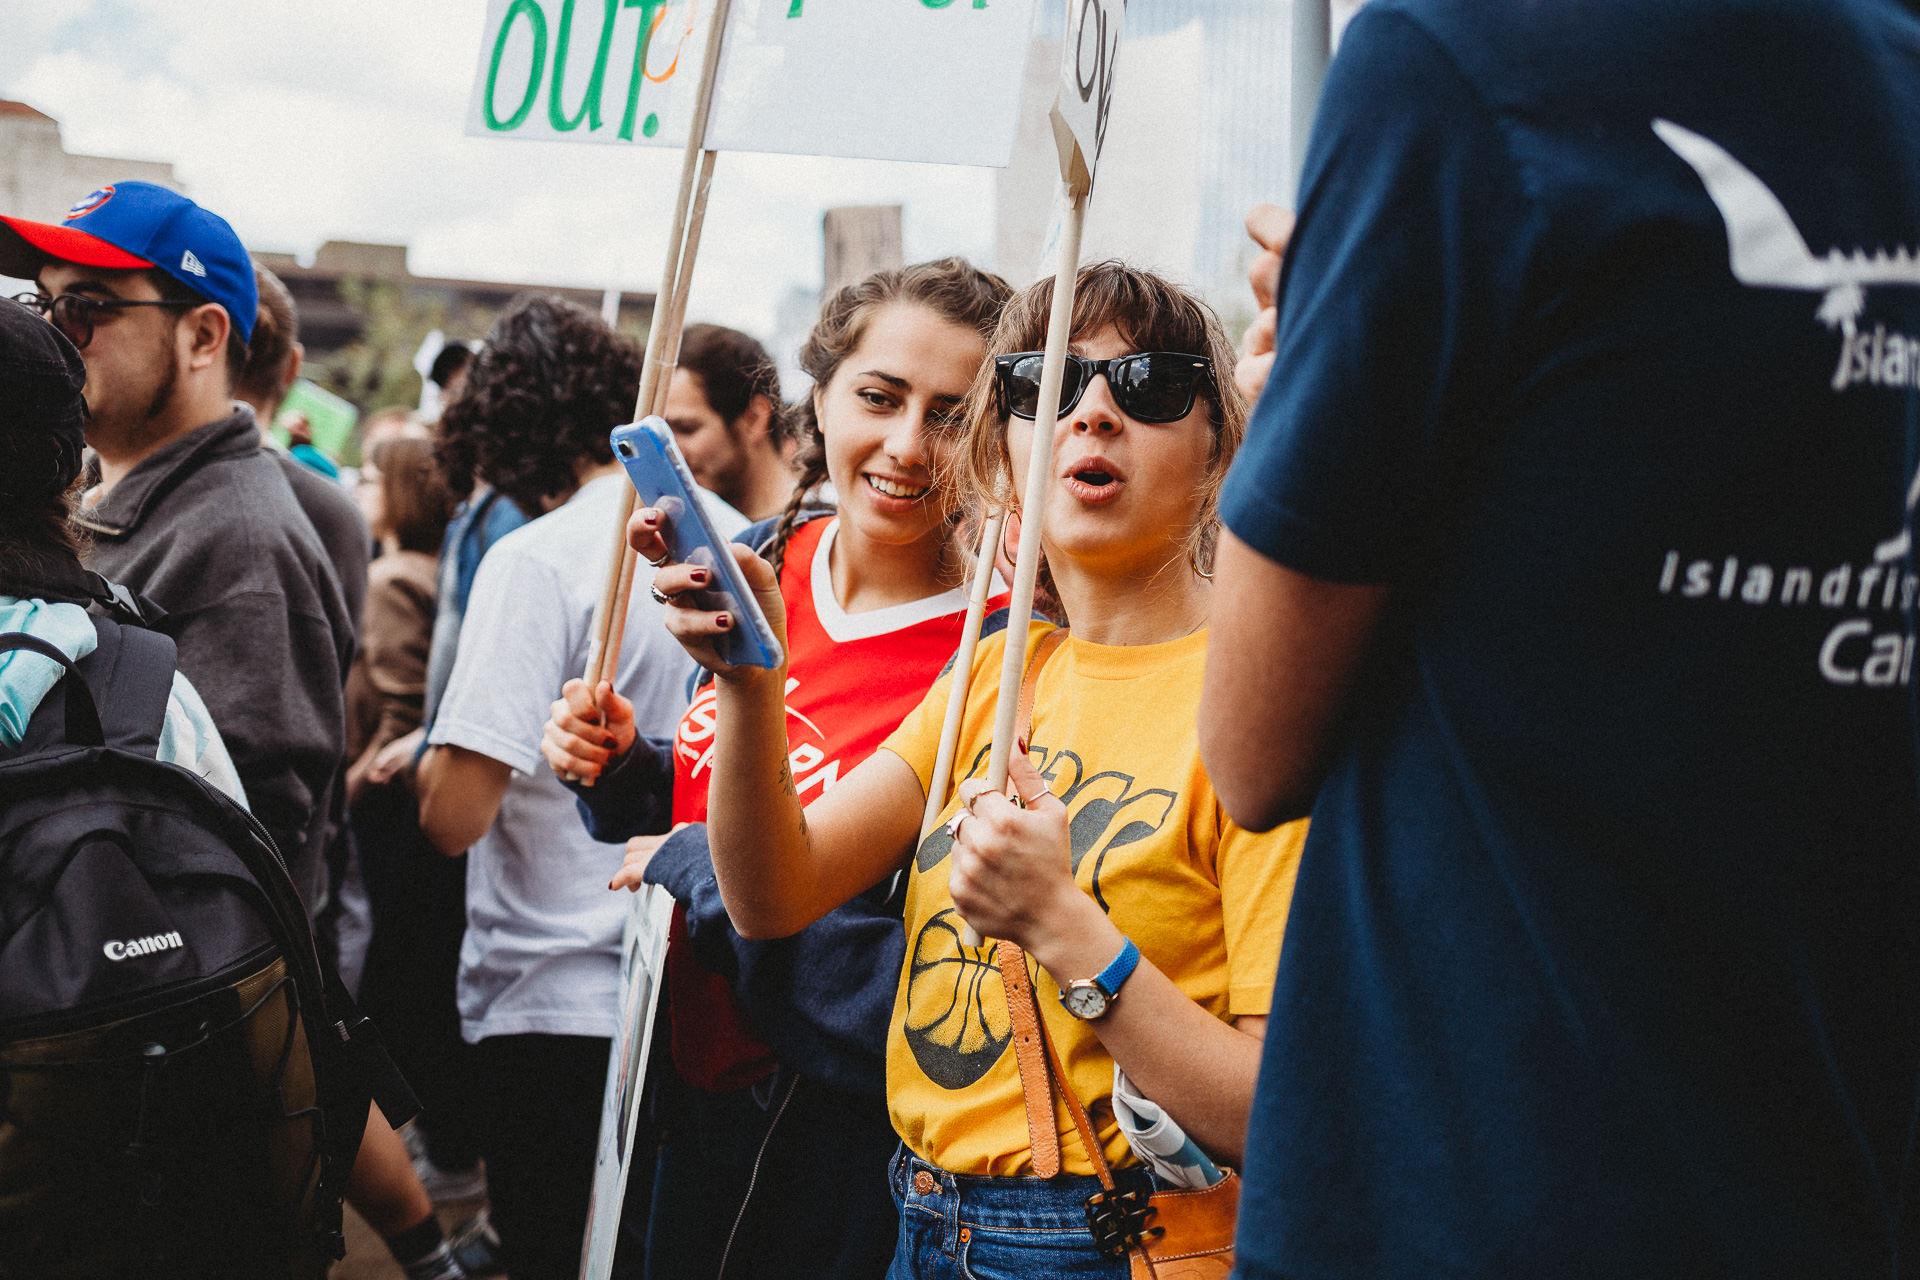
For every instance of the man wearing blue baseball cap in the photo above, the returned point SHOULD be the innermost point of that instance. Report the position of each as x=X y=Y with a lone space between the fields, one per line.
x=158 y=294
x=160 y=297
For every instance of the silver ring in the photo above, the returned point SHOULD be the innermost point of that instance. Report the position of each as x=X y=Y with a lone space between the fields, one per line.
x=666 y=558
x=659 y=596
x=953 y=824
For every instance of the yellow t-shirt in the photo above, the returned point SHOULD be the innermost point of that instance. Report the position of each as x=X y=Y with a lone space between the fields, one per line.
x=1206 y=902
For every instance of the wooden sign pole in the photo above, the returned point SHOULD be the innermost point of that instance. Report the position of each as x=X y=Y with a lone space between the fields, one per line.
x=1079 y=120
x=963 y=670
x=670 y=360
x=662 y=337
x=1033 y=501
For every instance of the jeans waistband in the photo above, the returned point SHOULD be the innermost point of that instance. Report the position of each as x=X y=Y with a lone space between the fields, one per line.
x=1030 y=1204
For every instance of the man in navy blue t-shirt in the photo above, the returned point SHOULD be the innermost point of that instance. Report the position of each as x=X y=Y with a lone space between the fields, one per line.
x=1568 y=583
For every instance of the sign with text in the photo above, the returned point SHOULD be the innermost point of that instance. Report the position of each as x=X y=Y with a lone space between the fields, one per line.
x=1085 y=100
x=643 y=963
x=929 y=80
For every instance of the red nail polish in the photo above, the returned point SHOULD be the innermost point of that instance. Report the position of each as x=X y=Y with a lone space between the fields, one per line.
x=724 y=621
x=1023 y=746
x=698 y=576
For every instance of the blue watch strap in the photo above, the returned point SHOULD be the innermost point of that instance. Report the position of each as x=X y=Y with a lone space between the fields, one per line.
x=1115 y=975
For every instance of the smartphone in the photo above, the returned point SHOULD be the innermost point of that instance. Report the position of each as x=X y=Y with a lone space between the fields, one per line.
x=661 y=477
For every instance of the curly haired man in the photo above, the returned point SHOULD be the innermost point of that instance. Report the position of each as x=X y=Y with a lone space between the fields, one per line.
x=539 y=966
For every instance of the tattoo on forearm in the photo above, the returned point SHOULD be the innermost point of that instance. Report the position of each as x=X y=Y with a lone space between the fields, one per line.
x=792 y=793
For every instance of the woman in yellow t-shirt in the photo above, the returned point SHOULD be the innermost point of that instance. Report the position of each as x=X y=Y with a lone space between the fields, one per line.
x=1156 y=916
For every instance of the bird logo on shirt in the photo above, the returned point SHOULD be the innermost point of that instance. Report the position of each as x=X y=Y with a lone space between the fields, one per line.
x=1767 y=249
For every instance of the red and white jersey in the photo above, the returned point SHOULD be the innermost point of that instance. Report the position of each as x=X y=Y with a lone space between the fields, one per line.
x=851 y=678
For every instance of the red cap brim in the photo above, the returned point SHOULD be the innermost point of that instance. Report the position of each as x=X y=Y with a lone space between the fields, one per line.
x=38 y=241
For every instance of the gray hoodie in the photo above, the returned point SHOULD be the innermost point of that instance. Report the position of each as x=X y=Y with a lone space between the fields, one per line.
x=208 y=529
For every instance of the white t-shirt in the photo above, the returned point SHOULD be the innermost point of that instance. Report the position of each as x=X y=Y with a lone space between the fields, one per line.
x=542 y=948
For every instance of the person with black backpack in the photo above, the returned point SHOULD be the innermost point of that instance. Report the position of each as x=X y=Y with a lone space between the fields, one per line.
x=183 y=1085
x=43 y=589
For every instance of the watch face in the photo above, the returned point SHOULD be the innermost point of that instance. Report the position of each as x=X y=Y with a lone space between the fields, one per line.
x=1084 y=1000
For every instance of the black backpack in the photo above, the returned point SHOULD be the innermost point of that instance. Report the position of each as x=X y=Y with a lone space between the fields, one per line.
x=183 y=1085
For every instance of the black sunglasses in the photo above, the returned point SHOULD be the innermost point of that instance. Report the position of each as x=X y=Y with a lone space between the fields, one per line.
x=1151 y=386
x=73 y=314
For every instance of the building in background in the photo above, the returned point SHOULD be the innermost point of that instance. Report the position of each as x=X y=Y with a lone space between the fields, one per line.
x=1198 y=135
x=860 y=240
x=856 y=241
x=363 y=315
x=334 y=293
x=1241 y=134
x=40 y=180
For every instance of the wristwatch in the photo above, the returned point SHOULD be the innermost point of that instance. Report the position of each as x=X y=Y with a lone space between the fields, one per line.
x=1090 y=998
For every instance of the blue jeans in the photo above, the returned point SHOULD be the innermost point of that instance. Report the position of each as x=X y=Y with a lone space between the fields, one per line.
x=957 y=1227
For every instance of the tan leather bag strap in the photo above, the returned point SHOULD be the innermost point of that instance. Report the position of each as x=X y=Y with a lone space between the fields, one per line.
x=1031 y=681
x=1139 y=1263
x=1040 y=1069
x=1023 y=1010
x=1029 y=1052
x=1088 y=1138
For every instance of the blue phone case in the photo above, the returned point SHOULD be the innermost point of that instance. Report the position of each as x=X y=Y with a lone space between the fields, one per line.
x=661 y=477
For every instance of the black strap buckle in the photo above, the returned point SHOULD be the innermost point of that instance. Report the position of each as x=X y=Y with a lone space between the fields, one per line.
x=60 y=577
x=125 y=606
x=1118 y=1219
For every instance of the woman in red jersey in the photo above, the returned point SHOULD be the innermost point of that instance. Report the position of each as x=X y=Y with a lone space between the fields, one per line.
x=778 y=1048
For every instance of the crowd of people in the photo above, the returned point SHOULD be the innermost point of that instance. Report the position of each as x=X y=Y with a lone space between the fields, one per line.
x=1445 y=629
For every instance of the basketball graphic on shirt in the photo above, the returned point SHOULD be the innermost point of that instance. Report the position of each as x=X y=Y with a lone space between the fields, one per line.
x=956 y=1007
x=957 y=1020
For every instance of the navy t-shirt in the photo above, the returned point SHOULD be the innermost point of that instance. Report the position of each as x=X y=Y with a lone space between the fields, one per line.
x=1605 y=955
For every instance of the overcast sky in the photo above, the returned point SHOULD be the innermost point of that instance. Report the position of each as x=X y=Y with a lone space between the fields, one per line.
x=303 y=122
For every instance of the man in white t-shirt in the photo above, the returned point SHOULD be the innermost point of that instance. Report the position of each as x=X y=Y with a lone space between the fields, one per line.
x=539 y=966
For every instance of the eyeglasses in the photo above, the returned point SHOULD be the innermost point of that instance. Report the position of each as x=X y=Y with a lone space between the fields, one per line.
x=1151 y=386
x=74 y=314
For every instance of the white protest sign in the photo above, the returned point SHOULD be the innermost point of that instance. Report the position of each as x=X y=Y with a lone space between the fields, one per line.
x=930 y=80
x=643 y=962
x=1085 y=100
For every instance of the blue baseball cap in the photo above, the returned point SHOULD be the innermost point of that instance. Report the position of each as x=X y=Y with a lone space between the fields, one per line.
x=131 y=225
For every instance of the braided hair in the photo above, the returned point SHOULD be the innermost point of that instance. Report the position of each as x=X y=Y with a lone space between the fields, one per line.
x=951 y=288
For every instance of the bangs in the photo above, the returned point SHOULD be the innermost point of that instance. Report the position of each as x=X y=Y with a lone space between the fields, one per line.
x=1149 y=313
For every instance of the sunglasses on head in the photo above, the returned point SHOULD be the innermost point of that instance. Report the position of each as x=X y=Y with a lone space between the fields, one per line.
x=1150 y=386
x=73 y=314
